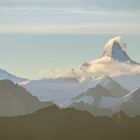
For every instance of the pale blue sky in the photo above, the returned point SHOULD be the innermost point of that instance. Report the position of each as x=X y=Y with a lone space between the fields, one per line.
x=59 y=34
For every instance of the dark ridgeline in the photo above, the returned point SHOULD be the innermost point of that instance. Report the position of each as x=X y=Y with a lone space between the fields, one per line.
x=15 y=100
x=52 y=123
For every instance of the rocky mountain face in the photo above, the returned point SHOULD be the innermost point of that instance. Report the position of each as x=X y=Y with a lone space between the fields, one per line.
x=115 y=49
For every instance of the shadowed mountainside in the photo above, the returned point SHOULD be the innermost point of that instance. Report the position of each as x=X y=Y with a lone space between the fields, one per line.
x=54 y=124
x=132 y=106
x=15 y=100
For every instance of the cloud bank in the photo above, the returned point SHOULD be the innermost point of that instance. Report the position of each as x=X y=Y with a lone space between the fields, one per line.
x=97 y=68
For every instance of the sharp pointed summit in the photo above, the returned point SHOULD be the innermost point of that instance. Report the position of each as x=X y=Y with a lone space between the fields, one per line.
x=114 y=61
x=116 y=49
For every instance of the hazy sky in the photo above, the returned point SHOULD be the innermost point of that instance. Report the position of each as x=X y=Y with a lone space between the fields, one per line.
x=70 y=16
x=40 y=34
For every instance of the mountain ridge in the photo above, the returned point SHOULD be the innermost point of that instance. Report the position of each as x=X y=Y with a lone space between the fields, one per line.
x=51 y=123
x=15 y=100
x=4 y=75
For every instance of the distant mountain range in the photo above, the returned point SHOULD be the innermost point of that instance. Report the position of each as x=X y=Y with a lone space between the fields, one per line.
x=8 y=76
x=102 y=87
x=100 y=101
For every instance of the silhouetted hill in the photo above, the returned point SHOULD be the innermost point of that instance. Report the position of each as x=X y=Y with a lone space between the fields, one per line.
x=54 y=124
x=15 y=100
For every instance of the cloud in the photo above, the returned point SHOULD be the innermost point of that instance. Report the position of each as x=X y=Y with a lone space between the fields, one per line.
x=36 y=2
x=93 y=11
x=69 y=19
x=74 y=29
x=82 y=20
x=107 y=66
x=97 y=68
x=118 y=40
x=48 y=73
x=114 y=4
x=104 y=4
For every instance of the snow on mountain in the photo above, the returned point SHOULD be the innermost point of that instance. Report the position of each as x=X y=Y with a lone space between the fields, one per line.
x=56 y=90
x=115 y=49
x=90 y=101
x=114 y=61
x=60 y=90
x=99 y=102
x=108 y=83
x=132 y=103
x=8 y=76
x=100 y=86
x=128 y=81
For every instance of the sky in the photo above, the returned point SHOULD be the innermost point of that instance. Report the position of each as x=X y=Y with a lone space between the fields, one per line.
x=59 y=34
x=70 y=16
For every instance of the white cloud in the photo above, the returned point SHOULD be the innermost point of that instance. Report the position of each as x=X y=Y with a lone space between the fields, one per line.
x=11 y=18
x=100 y=67
x=48 y=73
x=93 y=11
x=34 y=2
x=107 y=66
x=118 y=39
x=74 y=29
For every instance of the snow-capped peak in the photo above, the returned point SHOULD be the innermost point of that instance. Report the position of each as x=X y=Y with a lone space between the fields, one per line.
x=118 y=40
x=113 y=62
x=116 y=49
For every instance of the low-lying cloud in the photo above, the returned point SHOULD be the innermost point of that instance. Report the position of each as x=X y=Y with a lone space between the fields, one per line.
x=98 y=68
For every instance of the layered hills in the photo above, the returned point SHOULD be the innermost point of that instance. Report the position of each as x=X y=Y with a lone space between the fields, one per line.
x=54 y=124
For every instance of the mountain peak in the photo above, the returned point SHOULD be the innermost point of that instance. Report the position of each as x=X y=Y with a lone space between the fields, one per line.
x=116 y=49
x=114 y=40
